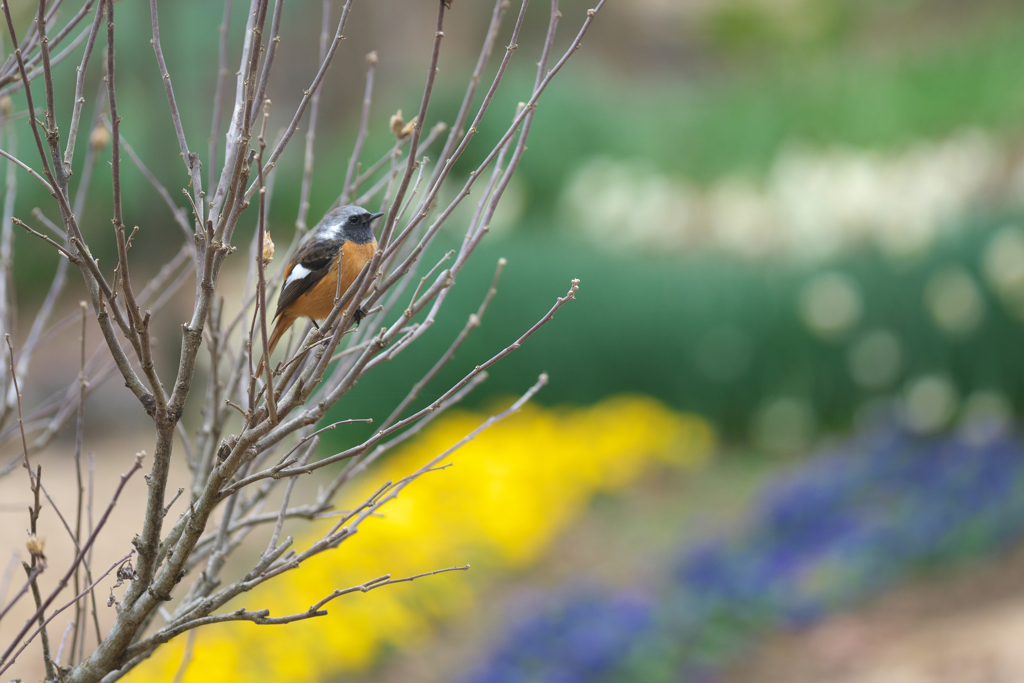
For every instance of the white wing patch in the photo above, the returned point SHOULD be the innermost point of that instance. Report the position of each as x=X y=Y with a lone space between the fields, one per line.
x=331 y=232
x=298 y=272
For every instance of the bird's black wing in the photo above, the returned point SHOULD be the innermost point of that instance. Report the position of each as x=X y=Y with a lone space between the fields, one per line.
x=311 y=263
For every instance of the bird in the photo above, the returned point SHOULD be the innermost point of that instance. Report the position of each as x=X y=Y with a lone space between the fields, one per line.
x=311 y=276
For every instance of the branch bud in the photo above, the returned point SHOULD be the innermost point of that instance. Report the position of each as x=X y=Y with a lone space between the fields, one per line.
x=400 y=128
x=99 y=137
x=397 y=123
x=268 y=248
x=35 y=545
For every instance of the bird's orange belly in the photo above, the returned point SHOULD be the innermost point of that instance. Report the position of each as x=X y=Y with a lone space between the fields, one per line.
x=318 y=302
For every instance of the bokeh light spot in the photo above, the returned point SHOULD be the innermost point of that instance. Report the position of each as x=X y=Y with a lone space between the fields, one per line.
x=831 y=304
x=875 y=359
x=985 y=417
x=930 y=401
x=1003 y=260
x=1002 y=263
x=954 y=301
x=784 y=425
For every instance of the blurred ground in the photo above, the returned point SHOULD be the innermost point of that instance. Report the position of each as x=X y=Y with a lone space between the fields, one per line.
x=965 y=626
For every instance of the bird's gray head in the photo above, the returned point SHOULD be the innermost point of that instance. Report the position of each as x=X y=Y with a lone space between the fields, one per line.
x=351 y=223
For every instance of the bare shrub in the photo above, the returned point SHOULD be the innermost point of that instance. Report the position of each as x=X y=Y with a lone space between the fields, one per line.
x=258 y=430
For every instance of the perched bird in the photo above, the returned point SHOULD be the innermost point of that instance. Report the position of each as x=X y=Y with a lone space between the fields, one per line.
x=311 y=276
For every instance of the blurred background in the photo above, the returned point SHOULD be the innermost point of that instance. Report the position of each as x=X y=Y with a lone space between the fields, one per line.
x=780 y=442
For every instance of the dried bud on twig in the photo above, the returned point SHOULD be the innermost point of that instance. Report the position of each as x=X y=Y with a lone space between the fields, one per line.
x=397 y=122
x=125 y=572
x=99 y=137
x=268 y=248
x=400 y=128
x=371 y=58
x=35 y=545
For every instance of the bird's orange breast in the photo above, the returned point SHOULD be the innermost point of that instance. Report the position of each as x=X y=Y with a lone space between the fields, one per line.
x=318 y=301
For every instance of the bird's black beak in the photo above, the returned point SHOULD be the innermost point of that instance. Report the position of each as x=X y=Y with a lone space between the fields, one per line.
x=375 y=216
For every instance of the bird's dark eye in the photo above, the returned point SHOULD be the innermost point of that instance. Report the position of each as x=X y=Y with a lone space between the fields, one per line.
x=353 y=219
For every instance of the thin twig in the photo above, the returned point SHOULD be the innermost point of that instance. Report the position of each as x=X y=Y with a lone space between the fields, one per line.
x=471 y=324
x=76 y=111
x=218 y=95
x=287 y=496
x=31 y=172
x=186 y=658
x=60 y=248
x=260 y=265
x=7 y=658
x=80 y=498
x=9 y=662
x=348 y=188
x=176 y=211
x=381 y=434
x=262 y=617
x=307 y=97
x=51 y=672
x=314 y=109
x=191 y=160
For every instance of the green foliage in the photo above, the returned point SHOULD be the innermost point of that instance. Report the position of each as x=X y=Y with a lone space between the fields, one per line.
x=639 y=320
x=749 y=27
x=704 y=129
x=639 y=323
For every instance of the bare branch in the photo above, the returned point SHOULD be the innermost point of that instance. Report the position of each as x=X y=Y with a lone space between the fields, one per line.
x=31 y=172
x=191 y=160
x=307 y=166
x=8 y=662
x=348 y=188
x=275 y=433
x=471 y=324
x=7 y=658
x=76 y=112
x=260 y=263
x=176 y=211
x=63 y=252
x=218 y=94
x=307 y=97
x=186 y=658
x=262 y=617
x=381 y=434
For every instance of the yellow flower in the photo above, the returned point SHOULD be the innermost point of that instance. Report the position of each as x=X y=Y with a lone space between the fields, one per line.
x=507 y=496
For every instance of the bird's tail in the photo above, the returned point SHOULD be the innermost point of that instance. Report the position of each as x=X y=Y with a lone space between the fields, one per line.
x=284 y=323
